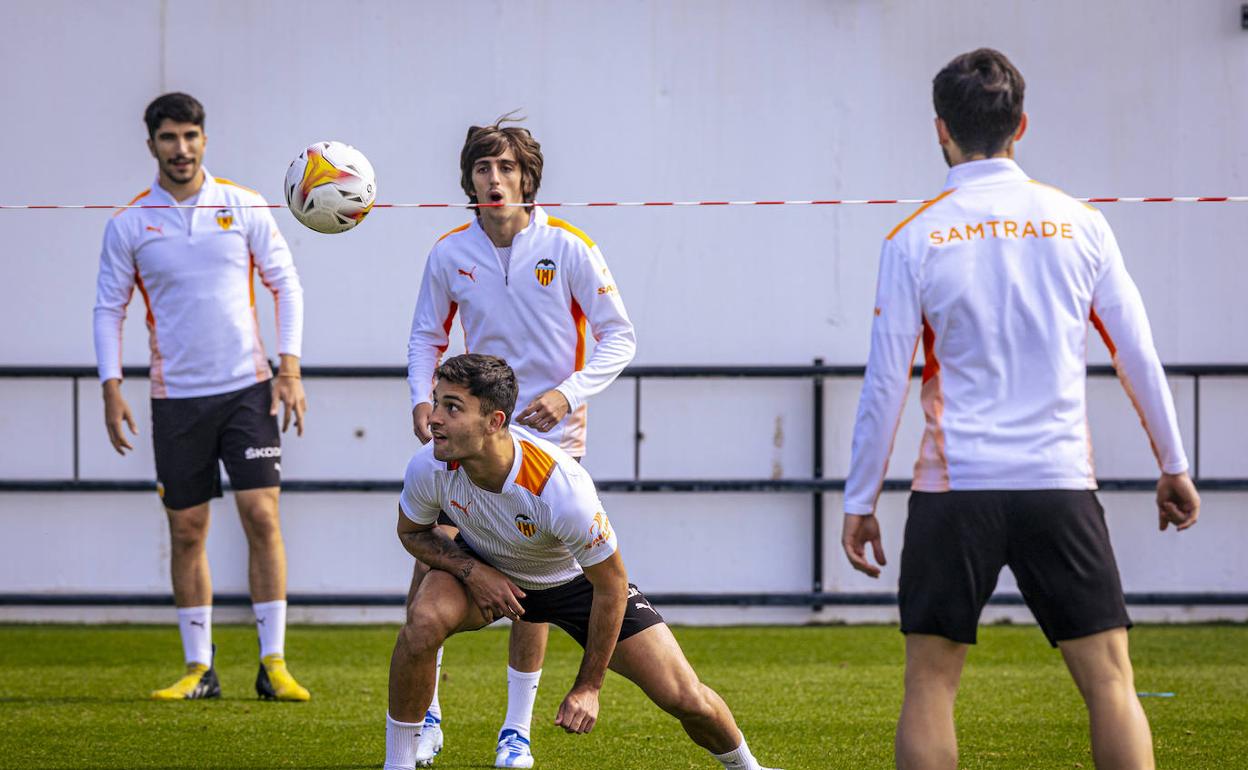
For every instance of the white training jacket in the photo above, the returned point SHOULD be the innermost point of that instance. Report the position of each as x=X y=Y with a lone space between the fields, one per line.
x=999 y=277
x=533 y=315
x=194 y=268
x=541 y=530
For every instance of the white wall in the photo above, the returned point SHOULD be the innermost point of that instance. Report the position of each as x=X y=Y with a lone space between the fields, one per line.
x=632 y=100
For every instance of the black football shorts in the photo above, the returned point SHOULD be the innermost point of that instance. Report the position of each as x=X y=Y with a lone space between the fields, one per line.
x=568 y=605
x=192 y=436
x=1053 y=540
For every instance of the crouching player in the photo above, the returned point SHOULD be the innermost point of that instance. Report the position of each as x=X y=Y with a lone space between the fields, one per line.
x=534 y=545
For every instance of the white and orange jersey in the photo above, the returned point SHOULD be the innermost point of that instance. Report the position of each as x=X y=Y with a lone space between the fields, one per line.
x=533 y=314
x=541 y=530
x=194 y=268
x=998 y=277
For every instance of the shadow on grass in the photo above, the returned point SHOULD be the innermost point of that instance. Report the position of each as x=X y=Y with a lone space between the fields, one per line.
x=70 y=699
x=309 y=766
x=374 y=766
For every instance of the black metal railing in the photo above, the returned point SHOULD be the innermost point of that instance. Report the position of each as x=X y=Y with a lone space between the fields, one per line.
x=816 y=485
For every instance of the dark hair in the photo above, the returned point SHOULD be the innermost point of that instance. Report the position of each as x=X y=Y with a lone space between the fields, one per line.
x=979 y=95
x=494 y=139
x=178 y=107
x=489 y=378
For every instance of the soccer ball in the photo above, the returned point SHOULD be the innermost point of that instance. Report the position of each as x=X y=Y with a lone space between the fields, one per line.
x=330 y=187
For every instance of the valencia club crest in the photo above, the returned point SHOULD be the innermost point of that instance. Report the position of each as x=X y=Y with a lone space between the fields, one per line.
x=525 y=524
x=545 y=271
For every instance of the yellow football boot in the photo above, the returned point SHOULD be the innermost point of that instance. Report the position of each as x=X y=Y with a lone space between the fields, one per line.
x=274 y=682
x=200 y=682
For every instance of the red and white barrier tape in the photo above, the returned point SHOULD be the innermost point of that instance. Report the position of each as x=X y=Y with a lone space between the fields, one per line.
x=620 y=204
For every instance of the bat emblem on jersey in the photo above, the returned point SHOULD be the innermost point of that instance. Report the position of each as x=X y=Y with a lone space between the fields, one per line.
x=470 y=273
x=464 y=508
x=225 y=218
x=545 y=271
x=599 y=530
x=525 y=525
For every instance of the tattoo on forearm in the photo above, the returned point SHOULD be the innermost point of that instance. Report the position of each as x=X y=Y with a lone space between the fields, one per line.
x=440 y=552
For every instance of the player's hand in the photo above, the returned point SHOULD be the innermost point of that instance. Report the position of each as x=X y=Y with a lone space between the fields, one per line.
x=856 y=533
x=288 y=389
x=579 y=711
x=1178 y=503
x=545 y=411
x=117 y=411
x=420 y=422
x=494 y=593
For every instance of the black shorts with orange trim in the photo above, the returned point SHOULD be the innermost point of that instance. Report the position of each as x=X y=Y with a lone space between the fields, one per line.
x=1053 y=540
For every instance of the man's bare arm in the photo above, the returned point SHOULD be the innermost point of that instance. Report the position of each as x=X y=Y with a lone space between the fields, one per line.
x=492 y=591
x=579 y=710
x=431 y=545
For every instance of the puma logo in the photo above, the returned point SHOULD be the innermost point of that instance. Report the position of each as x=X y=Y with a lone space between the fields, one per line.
x=260 y=621
x=199 y=623
x=463 y=508
x=155 y=229
x=470 y=273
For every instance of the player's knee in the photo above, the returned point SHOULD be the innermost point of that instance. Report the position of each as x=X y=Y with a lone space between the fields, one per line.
x=420 y=636
x=187 y=536
x=690 y=700
x=263 y=529
x=1106 y=678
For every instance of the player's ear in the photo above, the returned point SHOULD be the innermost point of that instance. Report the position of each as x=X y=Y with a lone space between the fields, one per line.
x=497 y=421
x=151 y=146
x=1022 y=128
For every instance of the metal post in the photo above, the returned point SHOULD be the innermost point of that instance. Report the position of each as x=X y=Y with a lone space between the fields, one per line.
x=74 y=392
x=1196 y=430
x=637 y=436
x=816 y=498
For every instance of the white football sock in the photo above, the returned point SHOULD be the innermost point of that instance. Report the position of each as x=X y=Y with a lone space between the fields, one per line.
x=521 y=695
x=739 y=758
x=401 y=744
x=195 y=625
x=435 y=708
x=271 y=626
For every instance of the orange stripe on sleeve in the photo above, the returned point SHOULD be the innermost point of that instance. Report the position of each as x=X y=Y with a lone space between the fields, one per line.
x=447 y=324
x=134 y=200
x=578 y=318
x=222 y=180
x=535 y=468
x=563 y=225
x=459 y=229
x=158 y=361
x=1126 y=383
x=1085 y=204
x=1109 y=341
x=931 y=366
x=920 y=210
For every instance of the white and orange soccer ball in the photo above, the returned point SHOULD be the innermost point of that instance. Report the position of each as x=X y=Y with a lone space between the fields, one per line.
x=330 y=187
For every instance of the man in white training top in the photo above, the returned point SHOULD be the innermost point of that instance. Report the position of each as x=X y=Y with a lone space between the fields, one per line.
x=998 y=278
x=214 y=398
x=525 y=286
x=534 y=545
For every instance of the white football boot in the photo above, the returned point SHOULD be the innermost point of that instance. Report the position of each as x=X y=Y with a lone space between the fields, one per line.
x=513 y=750
x=430 y=741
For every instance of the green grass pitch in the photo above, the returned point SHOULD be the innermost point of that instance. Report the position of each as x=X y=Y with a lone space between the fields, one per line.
x=810 y=697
